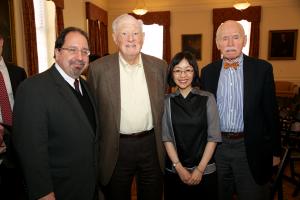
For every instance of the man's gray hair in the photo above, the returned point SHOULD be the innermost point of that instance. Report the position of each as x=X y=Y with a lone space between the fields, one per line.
x=123 y=18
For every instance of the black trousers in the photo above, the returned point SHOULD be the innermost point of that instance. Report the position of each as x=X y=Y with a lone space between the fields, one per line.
x=234 y=175
x=12 y=185
x=137 y=158
x=175 y=189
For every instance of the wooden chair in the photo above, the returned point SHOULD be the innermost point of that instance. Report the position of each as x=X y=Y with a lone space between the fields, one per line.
x=285 y=89
x=295 y=157
x=291 y=140
x=276 y=186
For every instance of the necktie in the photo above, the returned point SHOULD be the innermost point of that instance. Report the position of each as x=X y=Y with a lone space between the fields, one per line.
x=234 y=65
x=76 y=85
x=4 y=103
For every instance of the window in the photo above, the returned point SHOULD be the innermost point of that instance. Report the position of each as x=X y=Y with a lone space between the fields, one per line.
x=153 y=42
x=163 y=19
x=247 y=27
x=45 y=32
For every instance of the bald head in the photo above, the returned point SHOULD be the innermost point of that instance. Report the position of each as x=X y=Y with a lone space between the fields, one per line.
x=229 y=23
x=230 y=39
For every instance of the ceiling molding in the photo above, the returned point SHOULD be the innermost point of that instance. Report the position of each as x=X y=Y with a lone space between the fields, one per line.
x=121 y=6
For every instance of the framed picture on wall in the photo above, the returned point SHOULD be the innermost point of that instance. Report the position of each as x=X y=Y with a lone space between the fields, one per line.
x=282 y=44
x=7 y=30
x=192 y=43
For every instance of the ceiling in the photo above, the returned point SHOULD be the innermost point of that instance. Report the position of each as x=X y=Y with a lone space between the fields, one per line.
x=156 y=5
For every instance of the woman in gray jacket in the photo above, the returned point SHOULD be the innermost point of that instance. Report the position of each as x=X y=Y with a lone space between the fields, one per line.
x=190 y=134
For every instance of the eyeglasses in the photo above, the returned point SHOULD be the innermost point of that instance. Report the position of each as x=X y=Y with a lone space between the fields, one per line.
x=73 y=51
x=178 y=72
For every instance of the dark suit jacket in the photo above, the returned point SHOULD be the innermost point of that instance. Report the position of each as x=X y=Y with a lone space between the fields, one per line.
x=262 y=138
x=104 y=80
x=54 y=139
x=17 y=75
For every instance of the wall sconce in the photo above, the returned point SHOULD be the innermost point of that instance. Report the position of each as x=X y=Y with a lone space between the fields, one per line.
x=241 y=5
x=140 y=8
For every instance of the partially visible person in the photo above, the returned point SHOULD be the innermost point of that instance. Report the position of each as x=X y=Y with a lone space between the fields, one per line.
x=11 y=181
x=190 y=134
x=92 y=57
x=2 y=143
x=55 y=125
x=245 y=92
x=129 y=90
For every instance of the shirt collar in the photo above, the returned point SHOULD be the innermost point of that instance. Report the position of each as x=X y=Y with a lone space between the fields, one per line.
x=2 y=63
x=68 y=78
x=126 y=64
x=177 y=92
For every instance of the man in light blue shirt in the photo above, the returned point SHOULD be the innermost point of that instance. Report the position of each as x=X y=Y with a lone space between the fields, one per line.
x=245 y=94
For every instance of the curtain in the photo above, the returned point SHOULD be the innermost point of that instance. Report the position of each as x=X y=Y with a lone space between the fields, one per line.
x=161 y=18
x=97 y=29
x=252 y=14
x=59 y=6
x=30 y=37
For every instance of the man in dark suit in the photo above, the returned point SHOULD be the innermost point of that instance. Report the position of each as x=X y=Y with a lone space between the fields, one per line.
x=11 y=183
x=244 y=89
x=55 y=125
x=129 y=90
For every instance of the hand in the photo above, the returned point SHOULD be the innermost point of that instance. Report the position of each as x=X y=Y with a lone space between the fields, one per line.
x=1 y=133
x=196 y=177
x=276 y=160
x=49 y=196
x=2 y=143
x=183 y=173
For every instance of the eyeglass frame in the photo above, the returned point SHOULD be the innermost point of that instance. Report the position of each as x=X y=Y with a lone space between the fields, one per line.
x=178 y=72
x=73 y=51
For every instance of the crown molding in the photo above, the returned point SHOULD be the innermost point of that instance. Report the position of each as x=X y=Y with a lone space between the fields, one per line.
x=121 y=6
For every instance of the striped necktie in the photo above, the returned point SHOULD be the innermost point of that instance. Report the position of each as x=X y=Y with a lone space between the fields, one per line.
x=76 y=85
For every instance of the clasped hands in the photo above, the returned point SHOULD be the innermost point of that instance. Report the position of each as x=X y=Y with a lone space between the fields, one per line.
x=189 y=177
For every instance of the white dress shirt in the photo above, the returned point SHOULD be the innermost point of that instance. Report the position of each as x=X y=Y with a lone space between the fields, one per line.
x=136 y=115
x=67 y=78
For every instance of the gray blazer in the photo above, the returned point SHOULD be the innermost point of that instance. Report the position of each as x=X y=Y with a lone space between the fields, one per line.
x=104 y=81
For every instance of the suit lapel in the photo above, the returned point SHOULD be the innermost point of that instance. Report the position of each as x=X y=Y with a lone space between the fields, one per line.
x=114 y=91
x=12 y=77
x=64 y=90
x=248 y=72
x=83 y=84
x=215 y=78
x=151 y=79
